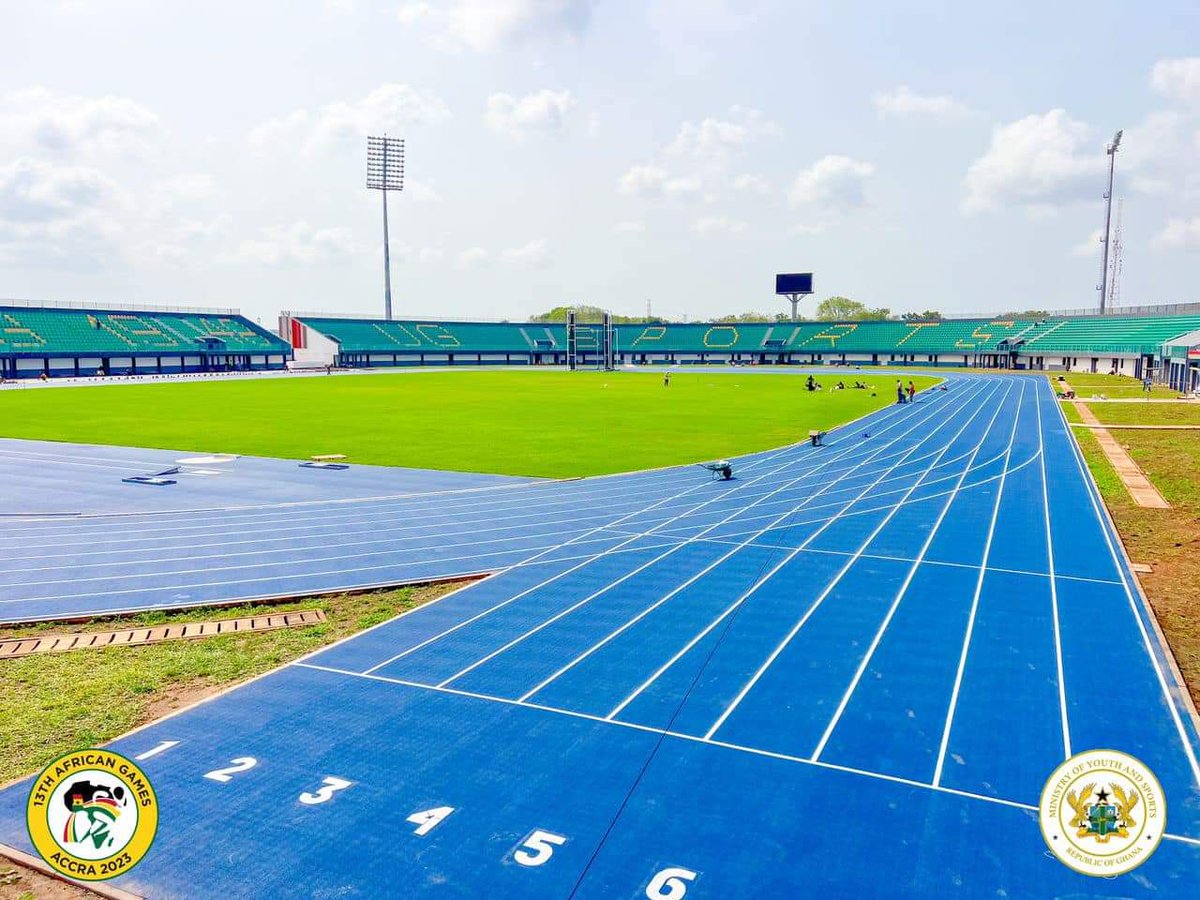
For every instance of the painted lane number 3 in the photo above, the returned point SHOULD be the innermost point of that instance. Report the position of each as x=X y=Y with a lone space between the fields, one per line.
x=538 y=848
x=325 y=791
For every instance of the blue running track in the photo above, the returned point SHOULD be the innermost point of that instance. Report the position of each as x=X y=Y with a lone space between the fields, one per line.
x=846 y=673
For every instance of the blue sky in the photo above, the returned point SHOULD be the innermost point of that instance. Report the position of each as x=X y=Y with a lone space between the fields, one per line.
x=915 y=155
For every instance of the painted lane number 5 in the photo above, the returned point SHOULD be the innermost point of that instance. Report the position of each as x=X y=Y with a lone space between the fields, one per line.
x=670 y=884
x=241 y=764
x=538 y=848
x=325 y=791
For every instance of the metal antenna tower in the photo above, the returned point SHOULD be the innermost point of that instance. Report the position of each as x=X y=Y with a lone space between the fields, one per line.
x=1112 y=164
x=1117 y=264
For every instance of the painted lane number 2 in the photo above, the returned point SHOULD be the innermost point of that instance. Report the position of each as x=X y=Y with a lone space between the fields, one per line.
x=670 y=884
x=241 y=764
x=538 y=848
x=325 y=791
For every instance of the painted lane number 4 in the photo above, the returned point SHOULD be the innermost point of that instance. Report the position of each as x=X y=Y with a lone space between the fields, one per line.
x=325 y=791
x=670 y=884
x=538 y=848
x=428 y=819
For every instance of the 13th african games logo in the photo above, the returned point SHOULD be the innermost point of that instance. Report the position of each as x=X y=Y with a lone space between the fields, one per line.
x=1102 y=812
x=92 y=814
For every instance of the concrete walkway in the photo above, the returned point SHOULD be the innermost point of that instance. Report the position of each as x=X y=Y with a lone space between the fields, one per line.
x=1140 y=489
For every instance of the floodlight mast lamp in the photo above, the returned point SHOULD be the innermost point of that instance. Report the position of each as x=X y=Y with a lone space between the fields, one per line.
x=1112 y=164
x=385 y=172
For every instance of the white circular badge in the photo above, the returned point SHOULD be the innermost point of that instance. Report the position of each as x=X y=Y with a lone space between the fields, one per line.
x=1102 y=812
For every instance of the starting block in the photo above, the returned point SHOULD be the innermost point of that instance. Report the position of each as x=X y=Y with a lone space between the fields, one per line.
x=155 y=478
x=817 y=438
x=326 y=461
x=720 y=469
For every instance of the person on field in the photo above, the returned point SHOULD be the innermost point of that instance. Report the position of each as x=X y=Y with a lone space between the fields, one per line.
x=666 y=379
x=912 y=392
x=899 y=391
x=810 y=385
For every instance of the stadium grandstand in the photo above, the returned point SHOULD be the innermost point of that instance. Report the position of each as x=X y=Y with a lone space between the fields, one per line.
x=67 y=340
x=1125 y=345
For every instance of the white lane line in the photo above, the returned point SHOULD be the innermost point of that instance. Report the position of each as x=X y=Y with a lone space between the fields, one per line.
x=612 y=584
x=448 y=515
x=970 y=630
x=570 y=491
x=530 y=590
x=928 y=562
x=1108 y=529
x=737 y=603
x=724 y=745
x=908 y=579
x=665 y=598
x=1058 y=656
x=816 y=604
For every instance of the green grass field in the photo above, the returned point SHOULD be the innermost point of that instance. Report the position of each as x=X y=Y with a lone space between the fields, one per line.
x=1114 y=386
x=553 y=424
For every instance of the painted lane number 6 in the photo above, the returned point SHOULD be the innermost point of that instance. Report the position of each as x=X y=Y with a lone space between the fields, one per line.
x=325 y=791
x=670 y=884
x=241 y=764
x=542 y=844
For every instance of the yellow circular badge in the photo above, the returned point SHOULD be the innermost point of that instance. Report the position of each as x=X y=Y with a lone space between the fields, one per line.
x=1102 y=813
x=92 y=814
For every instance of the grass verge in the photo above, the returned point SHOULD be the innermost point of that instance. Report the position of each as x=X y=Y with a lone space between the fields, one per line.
x=1114 y=386
x=57 y=702
x=552 y=423
x=1167 y=539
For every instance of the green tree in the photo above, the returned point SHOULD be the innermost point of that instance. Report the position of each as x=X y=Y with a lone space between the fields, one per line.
x=588 y=315
x=1025 y=314
x=843 y=309
x=839 y=309
x=929 y=315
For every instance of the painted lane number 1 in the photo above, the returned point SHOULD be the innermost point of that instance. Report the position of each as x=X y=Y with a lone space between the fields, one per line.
x=670 y=884
x=537 y=849
x=325 y=791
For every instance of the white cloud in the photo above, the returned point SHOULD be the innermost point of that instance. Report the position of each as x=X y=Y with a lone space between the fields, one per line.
x=1091 y=246
x=542 y=112
x=651 y=181
x=421 y=191
x=535 y=253
x=709 y=226
x=298 y=244
x=483 y=25
x=472 y=258
x=713 y=139
x=751 y=184
x=903 y=102
x=35 y=191
x=629 y=228
x=411 y=13
x=388 y=108
x=37 y=120
x=1178 y=79
x=833 y=184
x=1179 y=234
x=1039 y=162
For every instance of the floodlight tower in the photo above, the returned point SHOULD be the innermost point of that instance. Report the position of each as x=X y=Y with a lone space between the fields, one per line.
x=1112 y=164
x=385 y=172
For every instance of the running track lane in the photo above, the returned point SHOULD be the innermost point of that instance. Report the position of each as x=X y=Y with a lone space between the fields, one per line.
x=913 y=645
